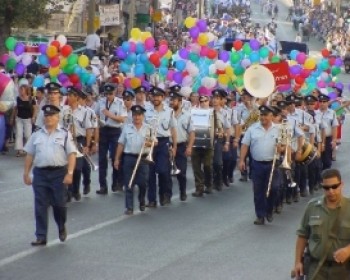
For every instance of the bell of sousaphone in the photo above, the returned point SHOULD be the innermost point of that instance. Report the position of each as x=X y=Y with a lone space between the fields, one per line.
x=259 y=81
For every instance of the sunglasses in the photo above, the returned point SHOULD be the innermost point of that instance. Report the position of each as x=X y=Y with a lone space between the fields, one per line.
x=323 y=101
x=333 y=187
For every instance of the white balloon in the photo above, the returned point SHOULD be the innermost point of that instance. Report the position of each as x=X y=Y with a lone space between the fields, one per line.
x=62 y=39
x=211 y=36
x=212 y=69
x=194 y=71
x=211 y=82
x=186 y=91
x=187 y=81
x=220 y=65
x=27 y=59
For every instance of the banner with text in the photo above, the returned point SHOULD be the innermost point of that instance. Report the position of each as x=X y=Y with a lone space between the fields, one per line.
x=109 y=15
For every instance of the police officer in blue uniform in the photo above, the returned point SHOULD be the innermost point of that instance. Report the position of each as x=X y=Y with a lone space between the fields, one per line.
x=262 y=139
x=162 y=120
x=128 y=98
x=51 y=152
x=112 y=114
x=329 y=123
x=134 y=139
x=185 y=139
x=81 y=129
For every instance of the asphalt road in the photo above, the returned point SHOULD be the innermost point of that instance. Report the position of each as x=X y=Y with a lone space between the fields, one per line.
x=204 y=238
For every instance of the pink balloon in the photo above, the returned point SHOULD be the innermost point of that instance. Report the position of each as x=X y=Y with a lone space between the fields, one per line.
x=55 y=61
x=149 y=43
x=204 y=51
x=170 y=75
x=301 y=57
x=132 y=47
x=321 y=84
x=127 y=83
x=163 y=49
x=4 y=58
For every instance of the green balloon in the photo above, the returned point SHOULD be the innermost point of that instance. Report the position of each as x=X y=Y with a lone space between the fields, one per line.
x=193 y=57
x=53 y=79
x=239 y=70
x=335 y=71
x=10 y=64
x=235 y=57
x=10 y=43
x=264 y=52
x=239 y=82
x=69 y=69
x=324 y=65
x=149 y=68
x=275 y=59
x=72 y=59
x=247 y=49
x=84 y=77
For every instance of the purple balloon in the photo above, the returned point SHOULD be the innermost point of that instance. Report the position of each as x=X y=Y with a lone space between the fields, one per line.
x=254 y=44
x=295 y=69
x=202 y=25
x=177 y=77
x=62 y=78
x=20 y=69
x=245 y=63
x=224 y=56
x=183 y=53
x=42 y=48
x=338 y=62
x=194 y=32
x=332 y=95
x=120 y=53
x=339 y=85
x=146 y=84
x=19 y=48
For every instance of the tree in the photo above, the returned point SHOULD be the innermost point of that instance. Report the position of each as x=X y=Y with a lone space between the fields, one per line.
x=25 y=13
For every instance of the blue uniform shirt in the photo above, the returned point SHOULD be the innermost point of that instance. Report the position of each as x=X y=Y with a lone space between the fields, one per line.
x=50 y=149
x=261 y=142
x=133 y=139
x=184 y=126
x=327 y=120
x=166 y=120
x=117 y=107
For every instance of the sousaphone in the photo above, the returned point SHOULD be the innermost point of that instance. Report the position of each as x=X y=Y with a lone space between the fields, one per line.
x=259 y=81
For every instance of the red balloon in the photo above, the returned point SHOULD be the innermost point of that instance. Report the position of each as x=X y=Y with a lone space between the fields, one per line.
x=219 y=72
x=163 y=42
x=305 y=73
x=331 y=60
x=325 y=53
x=66 y=50
x=56 y=44
x=155 y=59
x=211 y=54
x=74 y=78
x=237 y=45
x=299 y=80
x=185 y=73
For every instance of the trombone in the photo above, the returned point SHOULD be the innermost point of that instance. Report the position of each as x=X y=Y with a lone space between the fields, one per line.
x=174 y=170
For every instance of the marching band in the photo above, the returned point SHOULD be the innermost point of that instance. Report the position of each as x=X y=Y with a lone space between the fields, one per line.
x=149 y=135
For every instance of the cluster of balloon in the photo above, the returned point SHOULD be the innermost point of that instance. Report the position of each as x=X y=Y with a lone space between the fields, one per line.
x=64 y=66
x=307 y=73
x=7 y=101
x=141 y=57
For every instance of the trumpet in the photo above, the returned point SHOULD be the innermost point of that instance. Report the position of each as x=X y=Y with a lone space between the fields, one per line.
x=174 y=170
x=89 y=160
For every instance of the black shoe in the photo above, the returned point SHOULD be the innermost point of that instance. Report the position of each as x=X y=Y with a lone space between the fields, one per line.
x=311 y=192
x=162 y=200
x=166 y=200
x=303 y=194
x=86 y=190
x=296 y=198
x=129 y=212
x=183 y=196
x=69 y=197
x=218 y=188
x=197 y=194
x=152 y=204
x=62 y=235
x=76 y=196
x=259 y=221
x=117 y=188
x=102 y=191
x=243 y=179
x=208 y=190
x=231 y=180
x=142 y=206
x=279 y=209
x=269 y=218
x=226 y=183
x=289 y=200
x=38 y=242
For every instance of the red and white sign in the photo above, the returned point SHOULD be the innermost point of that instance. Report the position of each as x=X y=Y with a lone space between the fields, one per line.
x=280 y=71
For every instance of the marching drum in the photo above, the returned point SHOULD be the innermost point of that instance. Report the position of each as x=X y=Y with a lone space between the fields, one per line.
x=308 y=154
x=203 y=124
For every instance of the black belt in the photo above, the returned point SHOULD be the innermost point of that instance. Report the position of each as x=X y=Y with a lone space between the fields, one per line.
x=135 y=155
x=111 y=127
x=264 y=162
x=52 y=168
x=162 y=138
x=328 y=263
x=182 y=143
x=79 y=138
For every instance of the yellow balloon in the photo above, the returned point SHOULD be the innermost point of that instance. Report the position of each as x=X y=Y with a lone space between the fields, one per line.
x=145 y=35
x=135 y=82
x=223 y=79
x=51 y=51
x=54 y=71
x=292 y=62
x=203 y=39
x=83 y=61
x=169 y=54
x=135 y=33
x=63 y=62
x=190 y=22
x=229 y=71
x=310 y=63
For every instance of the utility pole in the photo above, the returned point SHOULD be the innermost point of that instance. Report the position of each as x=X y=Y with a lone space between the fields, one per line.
x=91 y=16
x=132 y=12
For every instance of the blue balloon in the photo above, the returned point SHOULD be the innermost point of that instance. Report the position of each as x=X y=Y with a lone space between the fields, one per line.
x=140 y=48
x=43 y=60
x=126 y=46
x=77 y=70
x=38 y=81
x=163 y=70
x=180 y=65
x=124 y=67
x=254 y=57
x=144 y=58
x=131 y=58
x=92 y=80
x=293 y=54
x=139 y=70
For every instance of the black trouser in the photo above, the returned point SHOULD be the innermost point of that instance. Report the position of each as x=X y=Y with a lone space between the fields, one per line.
x=327 y=154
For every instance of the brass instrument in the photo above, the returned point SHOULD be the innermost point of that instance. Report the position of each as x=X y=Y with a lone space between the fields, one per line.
x=68 y=123
x=252 y=118
x=174 y=170
x=153 y=136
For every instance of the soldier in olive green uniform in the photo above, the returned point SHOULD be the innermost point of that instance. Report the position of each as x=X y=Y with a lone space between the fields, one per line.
x=316 y=232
